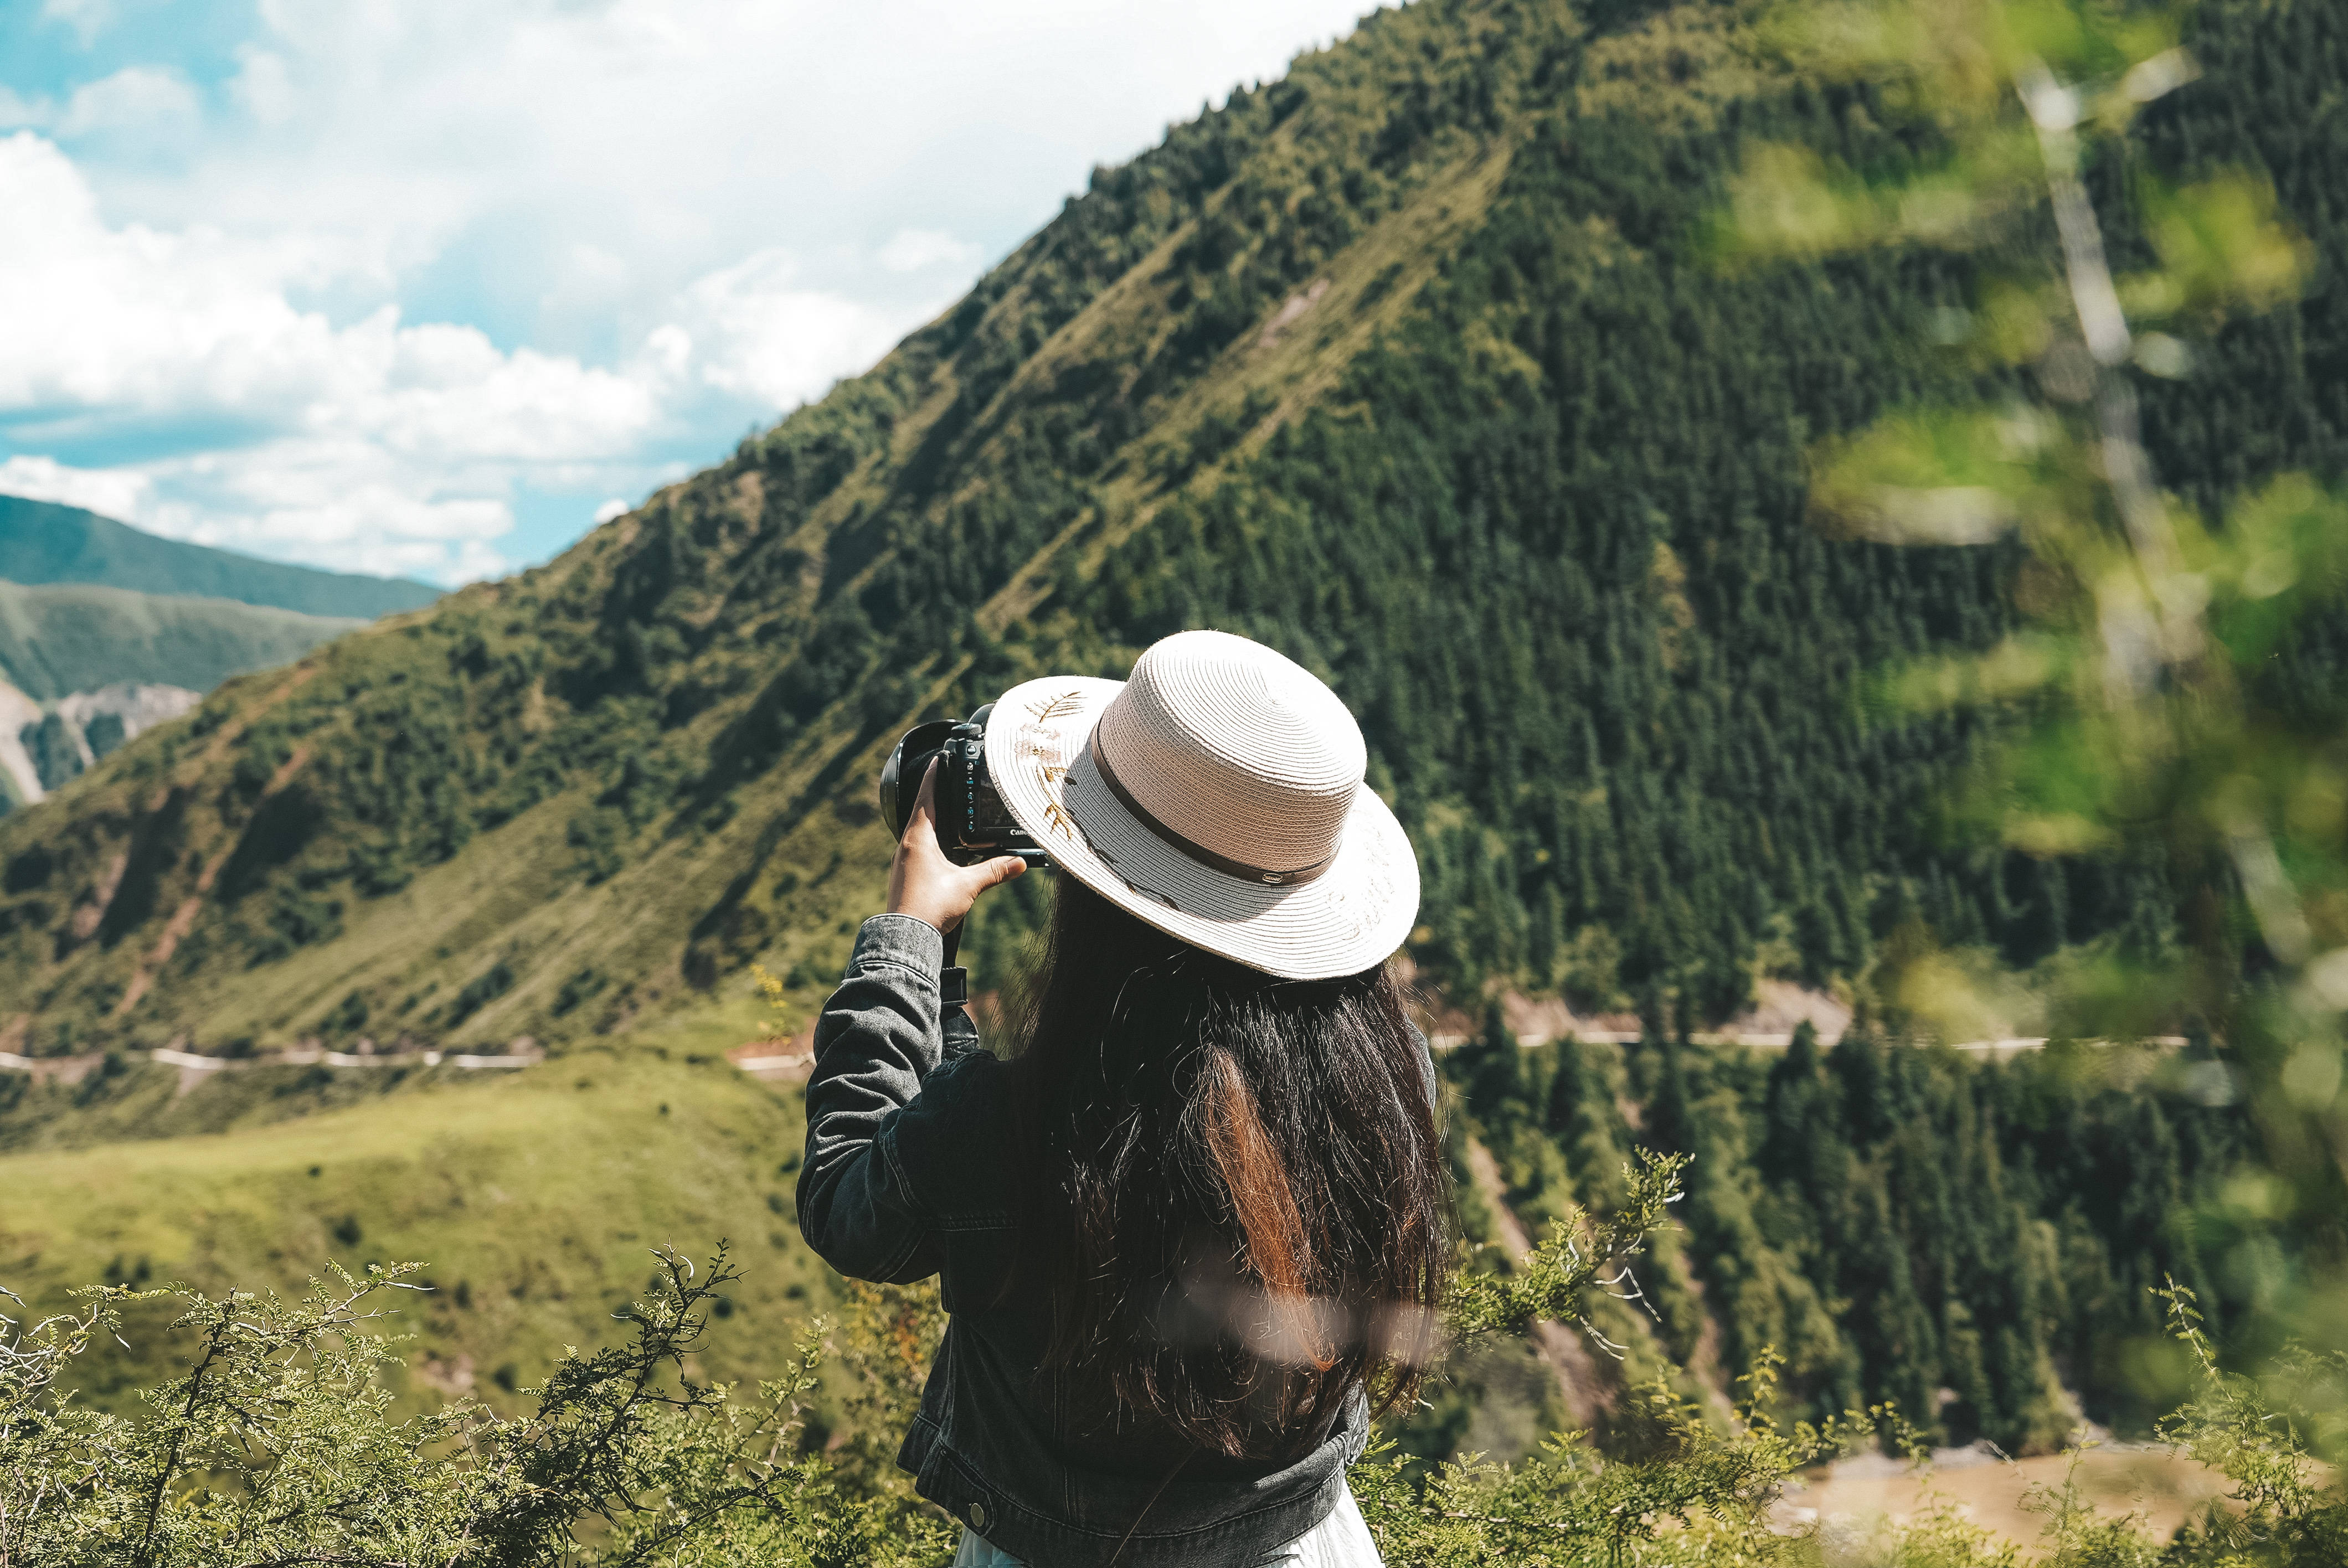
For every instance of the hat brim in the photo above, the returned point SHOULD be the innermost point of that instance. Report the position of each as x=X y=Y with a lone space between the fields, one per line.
x=1342 y=922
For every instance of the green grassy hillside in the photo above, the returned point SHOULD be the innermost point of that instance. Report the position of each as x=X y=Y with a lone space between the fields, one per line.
x=1896 y=1222
x=43 y=542
x=535 y=1196
x=1416 y=364
x=78 y=637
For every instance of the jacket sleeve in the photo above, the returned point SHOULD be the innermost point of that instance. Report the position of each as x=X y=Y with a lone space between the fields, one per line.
x=878 y=1039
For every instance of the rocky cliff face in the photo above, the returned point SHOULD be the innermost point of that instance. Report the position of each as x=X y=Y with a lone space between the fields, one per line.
x=41 y=748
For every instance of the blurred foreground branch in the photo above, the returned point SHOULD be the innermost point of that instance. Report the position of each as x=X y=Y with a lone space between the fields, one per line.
x=2169 y=699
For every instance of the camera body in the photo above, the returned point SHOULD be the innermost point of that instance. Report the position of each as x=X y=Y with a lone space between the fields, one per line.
x=973 y=824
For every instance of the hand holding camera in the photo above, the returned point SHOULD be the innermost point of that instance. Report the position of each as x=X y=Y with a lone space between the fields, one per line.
x=922 y=882
x=972 y=823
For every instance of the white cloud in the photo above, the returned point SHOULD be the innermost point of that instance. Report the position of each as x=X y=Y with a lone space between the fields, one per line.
x=776 y=341
x=135 y=101
x=136 y=110
x=917 y=250
x=377 y=420
x=118 y=493
x=614 y=507
x=88 y=18
x=263 y=88
x=135 y=322
x=420 y=261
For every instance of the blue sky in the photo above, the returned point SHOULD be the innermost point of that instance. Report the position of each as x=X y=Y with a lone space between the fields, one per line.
x=425 y=286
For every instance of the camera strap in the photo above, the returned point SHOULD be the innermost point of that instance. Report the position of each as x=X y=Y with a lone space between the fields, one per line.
x=953 y=980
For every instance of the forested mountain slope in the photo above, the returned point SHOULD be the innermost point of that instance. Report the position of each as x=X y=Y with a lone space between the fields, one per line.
x=1976 y=1241
x=43 y=542
x=1416 y=364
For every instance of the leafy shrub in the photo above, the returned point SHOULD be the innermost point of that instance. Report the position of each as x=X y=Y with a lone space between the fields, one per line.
x=279 y=1445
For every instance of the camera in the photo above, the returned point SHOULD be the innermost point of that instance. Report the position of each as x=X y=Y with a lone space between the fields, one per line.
x=973 y=824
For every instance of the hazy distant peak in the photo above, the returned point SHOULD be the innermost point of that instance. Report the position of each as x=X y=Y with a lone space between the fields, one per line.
x=43 y=542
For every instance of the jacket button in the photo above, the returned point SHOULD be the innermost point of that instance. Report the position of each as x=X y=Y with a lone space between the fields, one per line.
x=978 y=1516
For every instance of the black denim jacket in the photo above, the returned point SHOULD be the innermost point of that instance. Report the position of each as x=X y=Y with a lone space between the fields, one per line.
x=908 y=1174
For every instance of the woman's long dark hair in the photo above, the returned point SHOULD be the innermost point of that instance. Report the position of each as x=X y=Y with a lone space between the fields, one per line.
x=1240 y=1190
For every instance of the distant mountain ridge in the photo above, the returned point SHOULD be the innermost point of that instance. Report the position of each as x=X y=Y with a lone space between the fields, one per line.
x=44 y=542
x=85 y=669
x=106 y=632
x=62 y=637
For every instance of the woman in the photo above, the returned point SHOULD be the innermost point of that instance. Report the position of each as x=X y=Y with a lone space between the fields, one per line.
x=1192 y=1231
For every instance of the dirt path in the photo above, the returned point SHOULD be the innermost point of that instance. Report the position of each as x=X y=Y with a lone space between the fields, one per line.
x=1559 y=1348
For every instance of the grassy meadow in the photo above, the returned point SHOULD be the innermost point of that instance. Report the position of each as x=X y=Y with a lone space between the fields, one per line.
x=533 y=1194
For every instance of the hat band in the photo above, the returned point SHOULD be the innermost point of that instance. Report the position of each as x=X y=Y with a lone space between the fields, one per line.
x=1200 y=851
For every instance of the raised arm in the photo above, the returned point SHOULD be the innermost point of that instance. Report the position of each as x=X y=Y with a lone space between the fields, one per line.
x=876 y=1041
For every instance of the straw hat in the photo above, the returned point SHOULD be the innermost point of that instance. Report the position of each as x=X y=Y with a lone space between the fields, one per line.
x=1217 y=794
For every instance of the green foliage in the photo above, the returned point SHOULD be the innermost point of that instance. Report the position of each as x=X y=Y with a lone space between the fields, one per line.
x=2172 y=694
x=1575 y=1259
x=2265 y=1435
x=888 y=1336
x=278 y=1446
x=1896 y=1221
x=488 y=985
x=1692 y=1495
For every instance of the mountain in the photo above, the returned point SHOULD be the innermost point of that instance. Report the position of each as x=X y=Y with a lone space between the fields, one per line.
x=106 y=632
x=1415 y=365
x=76 y=637
x=42 y=542
x=85 y=669
x=41 y=748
